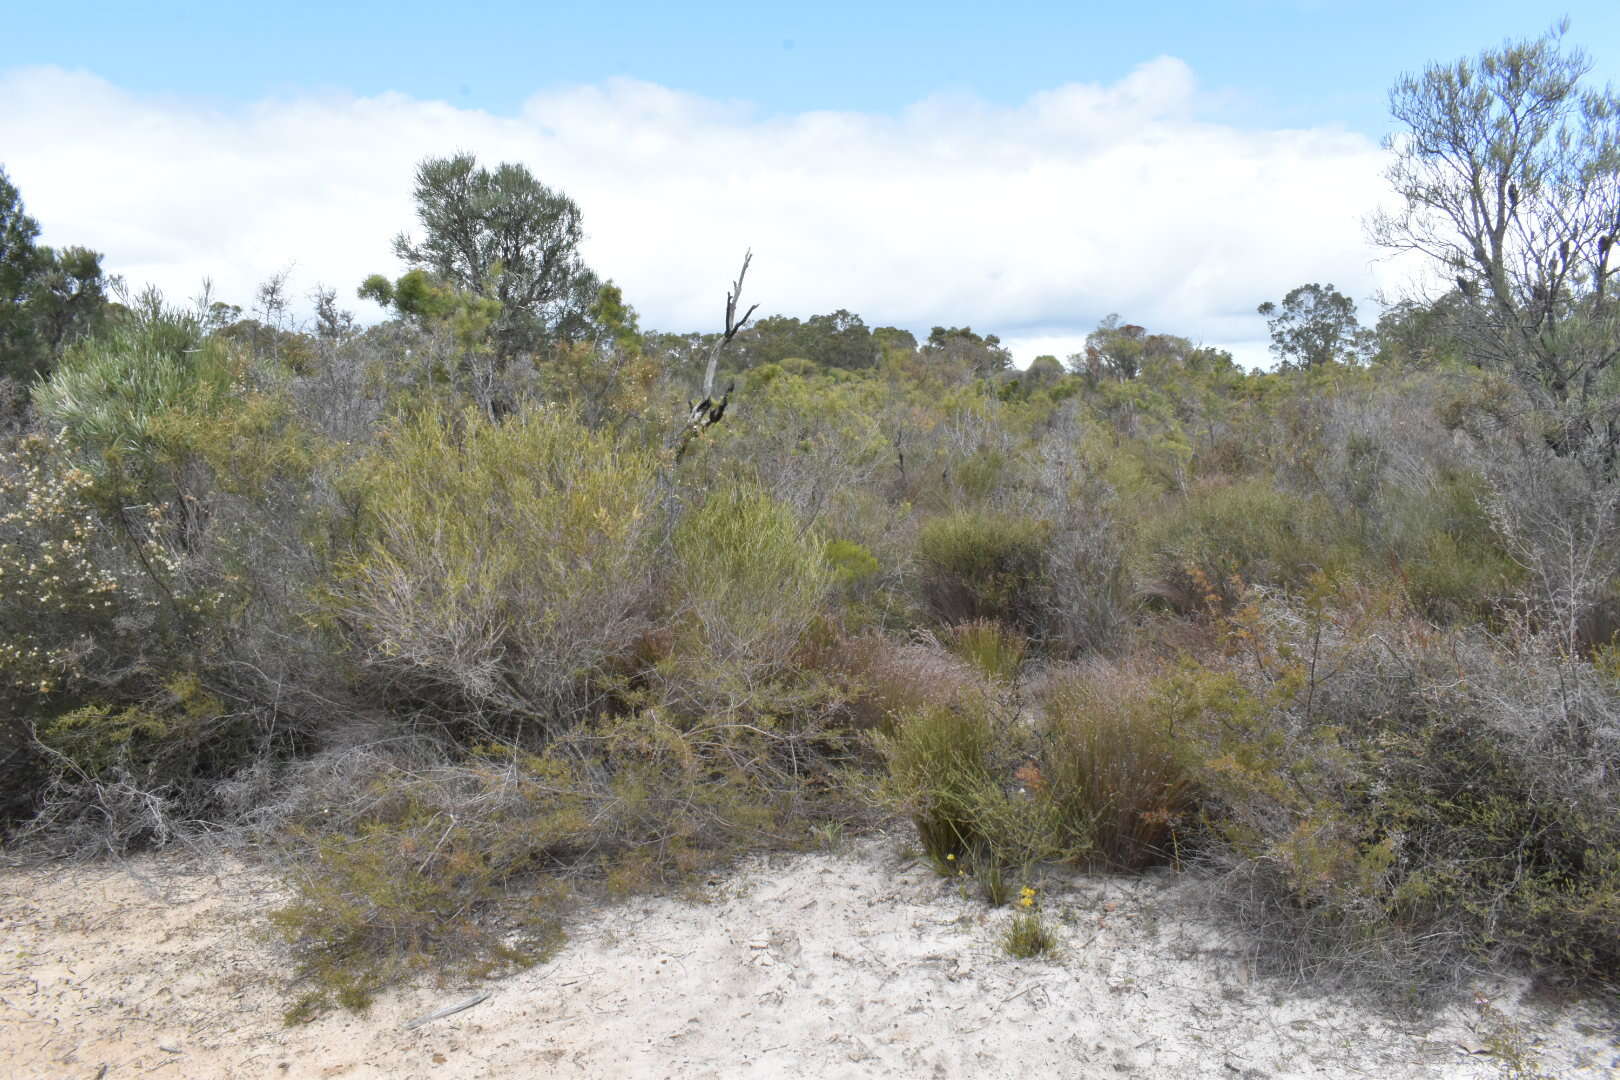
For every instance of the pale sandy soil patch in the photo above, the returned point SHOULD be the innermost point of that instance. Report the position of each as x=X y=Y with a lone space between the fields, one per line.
x=857 y=964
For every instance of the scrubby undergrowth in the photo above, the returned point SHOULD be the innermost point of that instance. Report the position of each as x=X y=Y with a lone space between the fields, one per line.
x=460 y=661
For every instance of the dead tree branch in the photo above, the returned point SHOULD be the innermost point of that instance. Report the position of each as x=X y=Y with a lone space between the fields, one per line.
x=706 y=413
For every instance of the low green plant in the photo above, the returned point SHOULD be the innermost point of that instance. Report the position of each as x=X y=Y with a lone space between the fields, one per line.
x=1398 y=802
x=500 y=568
x=952 y=769
x=748 y=580
x=1113 y=769
x=469 y=866
x=1027 y=936
x=983 y=565
x=993 y=649
x=938 y=760
x=1225 y=537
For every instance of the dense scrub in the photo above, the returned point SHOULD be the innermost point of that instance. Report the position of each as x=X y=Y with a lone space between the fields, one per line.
x=459 y=637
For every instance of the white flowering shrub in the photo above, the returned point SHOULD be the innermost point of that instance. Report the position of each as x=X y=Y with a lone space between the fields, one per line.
x=68 y=587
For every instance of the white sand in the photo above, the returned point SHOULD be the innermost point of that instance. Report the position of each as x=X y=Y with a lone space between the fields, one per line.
x=859 y=964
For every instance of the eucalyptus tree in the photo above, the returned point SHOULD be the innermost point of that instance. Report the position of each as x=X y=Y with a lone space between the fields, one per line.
x=1316 y=325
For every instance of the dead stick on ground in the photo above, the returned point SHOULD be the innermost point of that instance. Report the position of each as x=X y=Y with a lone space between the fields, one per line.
x=448 y=1010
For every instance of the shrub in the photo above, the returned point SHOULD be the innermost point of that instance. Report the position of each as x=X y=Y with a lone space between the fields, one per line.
x=74 y=604
x=1112 y=767
x=1089 y=606
x=422 y=876
x=748 y=579
x=501 y=568
x=982 y=565
x=1448 y=553
x=111 y=392
x=954 y=770
x=1244 y=533
x=886 y=679
x=409 y=853
x=1397 y=803
x=990 y=647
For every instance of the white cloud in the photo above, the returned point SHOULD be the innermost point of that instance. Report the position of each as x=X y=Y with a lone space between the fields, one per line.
x=1031 y=222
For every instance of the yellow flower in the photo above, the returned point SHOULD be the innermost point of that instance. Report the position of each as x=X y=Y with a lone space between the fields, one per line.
x=950 y=858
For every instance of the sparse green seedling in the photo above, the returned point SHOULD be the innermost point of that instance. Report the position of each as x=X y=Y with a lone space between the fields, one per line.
x=1027 y=936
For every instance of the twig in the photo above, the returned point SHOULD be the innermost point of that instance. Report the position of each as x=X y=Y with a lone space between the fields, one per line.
x=448 y=1010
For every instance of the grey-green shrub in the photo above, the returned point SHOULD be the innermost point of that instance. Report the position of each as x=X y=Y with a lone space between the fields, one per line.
x=505 y=565
x=747 y=579
x=984 y=565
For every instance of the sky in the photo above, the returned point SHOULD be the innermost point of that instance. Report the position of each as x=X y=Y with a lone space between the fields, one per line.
x=1024 y=168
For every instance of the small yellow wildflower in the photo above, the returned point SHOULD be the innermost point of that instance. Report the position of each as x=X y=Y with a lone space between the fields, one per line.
x=1026 y=897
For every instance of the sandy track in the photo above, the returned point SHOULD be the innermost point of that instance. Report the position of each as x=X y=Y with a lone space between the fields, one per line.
x=859 y=964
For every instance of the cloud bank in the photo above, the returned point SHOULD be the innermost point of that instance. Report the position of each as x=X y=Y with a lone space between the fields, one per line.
x=1031 y=222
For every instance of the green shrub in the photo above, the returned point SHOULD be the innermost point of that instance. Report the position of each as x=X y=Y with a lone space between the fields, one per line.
x=981 y=565
x=409 y=886
x=939 y=761
x=748 y=580
x=74 y=603
x=990 y=647
x=1399 y=802
x=851 y=562
x=111 y=393
x=953 y=770
x=501 y=568
x=466 y=860
x=1113 y=768
x=1447 y=551
x=1223 y=538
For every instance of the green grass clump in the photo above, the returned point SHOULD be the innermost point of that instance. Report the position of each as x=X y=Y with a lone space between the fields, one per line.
x=983 y=565
x=1119 y=782
x=1027 y=936
x=939 y=762
x=994 y=650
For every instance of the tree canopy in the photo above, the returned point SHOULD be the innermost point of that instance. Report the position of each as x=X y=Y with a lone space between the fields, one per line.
x=1316 y=325
x=1508 y=170
x=48 y=298
x=505 y=236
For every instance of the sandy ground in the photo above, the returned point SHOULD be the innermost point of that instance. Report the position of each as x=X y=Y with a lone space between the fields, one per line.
x=854 y=964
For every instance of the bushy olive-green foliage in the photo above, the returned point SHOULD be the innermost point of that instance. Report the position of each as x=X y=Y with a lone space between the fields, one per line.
x=401 y=860
x=1447 y=552
x=967 y=779
x=1399 y=802
x=939 y=759
x=995 y=650
x=248 y=564
x=1118 y=777
x=748 y=578
x=67 y=589
x=1231 y=535
x=110 y=394
x=501 y=567
x=983 y=565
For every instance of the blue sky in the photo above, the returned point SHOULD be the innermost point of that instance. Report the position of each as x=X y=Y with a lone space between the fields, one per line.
x=1284 y=62
x=839 y=139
